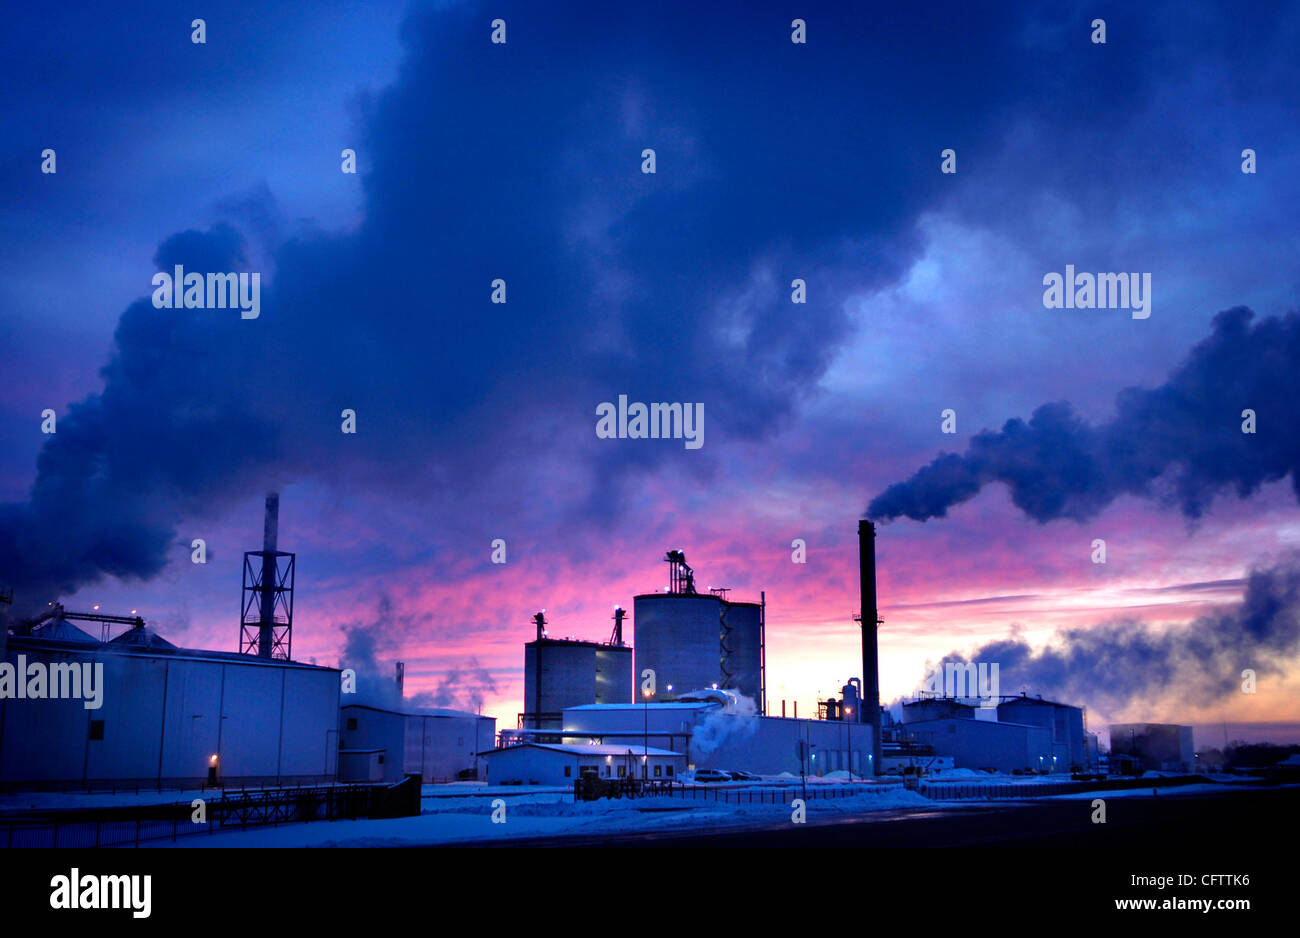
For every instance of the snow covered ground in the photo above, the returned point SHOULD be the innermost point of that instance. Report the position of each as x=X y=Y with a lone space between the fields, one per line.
x=468 y=819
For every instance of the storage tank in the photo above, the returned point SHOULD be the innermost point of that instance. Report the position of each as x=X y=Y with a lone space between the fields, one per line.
x=742 y=644
x=678 y=635
x=561 y=673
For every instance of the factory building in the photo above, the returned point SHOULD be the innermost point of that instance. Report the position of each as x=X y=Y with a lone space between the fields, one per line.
x=991 y=745
x=715 y=730
x=560 y=764
x=165 y=715
x=564 y=672
x=135 y=709
x=1140 y=747
x=700 y=640
x=996 y=738
x=1069 y=744
x=386 y=745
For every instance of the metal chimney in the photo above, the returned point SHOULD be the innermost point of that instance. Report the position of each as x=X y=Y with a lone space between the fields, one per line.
x=401 y=680
x=270 y=537
x=870 y=708
x=266 y=610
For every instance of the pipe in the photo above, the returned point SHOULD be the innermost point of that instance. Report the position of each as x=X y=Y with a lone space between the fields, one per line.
x=870 y=653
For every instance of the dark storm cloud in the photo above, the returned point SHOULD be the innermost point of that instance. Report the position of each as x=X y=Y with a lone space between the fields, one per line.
x=521 y=162
x=1181 y=443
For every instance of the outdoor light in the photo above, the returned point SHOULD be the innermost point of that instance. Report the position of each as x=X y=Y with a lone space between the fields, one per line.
x=212 y=759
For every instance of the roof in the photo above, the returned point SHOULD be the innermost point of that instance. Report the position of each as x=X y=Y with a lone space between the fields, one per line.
x=964 y=721
x=163 y=650
x=1034 y=700
x=579 y=749
x=61 y=630
x=638 y=706
x=143 y=638
x=419 y=711
x=549 y=641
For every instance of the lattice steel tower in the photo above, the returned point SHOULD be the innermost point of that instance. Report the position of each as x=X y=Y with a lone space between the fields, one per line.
x=266 y=620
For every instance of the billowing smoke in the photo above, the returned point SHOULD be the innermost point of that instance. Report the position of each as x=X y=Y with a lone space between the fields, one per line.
x=376 y=679
x=1181 y=443
x=464 y=687
x=736 y=721
x=608 y=291
x=1112 y=666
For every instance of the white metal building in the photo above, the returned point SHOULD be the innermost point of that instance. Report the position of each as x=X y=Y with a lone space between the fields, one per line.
x=166 y=715
x=439 y=745
x=712 y=736
x=560 y=764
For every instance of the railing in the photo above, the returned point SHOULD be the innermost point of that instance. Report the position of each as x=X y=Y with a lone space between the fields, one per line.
x=996 y=789
x=244 y=809
x=758 y=794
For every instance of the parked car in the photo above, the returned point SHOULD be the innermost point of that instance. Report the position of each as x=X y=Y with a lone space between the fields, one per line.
x=739 y=776
x=712 y=775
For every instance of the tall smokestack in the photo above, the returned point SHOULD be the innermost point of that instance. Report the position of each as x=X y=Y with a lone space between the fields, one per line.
x=870 y=708
x=401 y=680
x=270 y=538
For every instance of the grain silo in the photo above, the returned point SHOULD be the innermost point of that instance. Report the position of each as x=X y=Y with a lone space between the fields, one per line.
x=568 y=672
x=695 y=641
x=741 y=643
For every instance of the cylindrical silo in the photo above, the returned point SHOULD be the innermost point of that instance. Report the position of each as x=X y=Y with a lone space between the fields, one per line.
x=678 y=635
x=742 y=660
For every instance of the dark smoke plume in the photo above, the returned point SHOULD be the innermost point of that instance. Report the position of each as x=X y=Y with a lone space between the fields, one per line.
x=1112 y=666
x=1181 y=443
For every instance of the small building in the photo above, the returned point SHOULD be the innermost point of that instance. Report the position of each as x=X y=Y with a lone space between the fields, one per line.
x=437 y=744
x=1153 y=746
x=561 y=763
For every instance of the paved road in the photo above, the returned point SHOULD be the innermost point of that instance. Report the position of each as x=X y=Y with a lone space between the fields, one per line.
x=1168 y=821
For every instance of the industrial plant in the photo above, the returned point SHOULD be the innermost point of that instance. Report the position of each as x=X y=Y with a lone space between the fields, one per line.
x=699 y=672
x=687 y=699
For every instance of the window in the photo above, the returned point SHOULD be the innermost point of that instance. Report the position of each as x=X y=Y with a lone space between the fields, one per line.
x=568 y=771
x=606 y=772
x=622 y=770
x=659 y=770
x=670 y=771
x=381 y=758
x=352 y=723
x=96 y=729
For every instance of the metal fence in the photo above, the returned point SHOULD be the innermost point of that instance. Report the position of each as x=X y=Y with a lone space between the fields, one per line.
x=135 y=825
x=995 y=790
x=765 y=794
